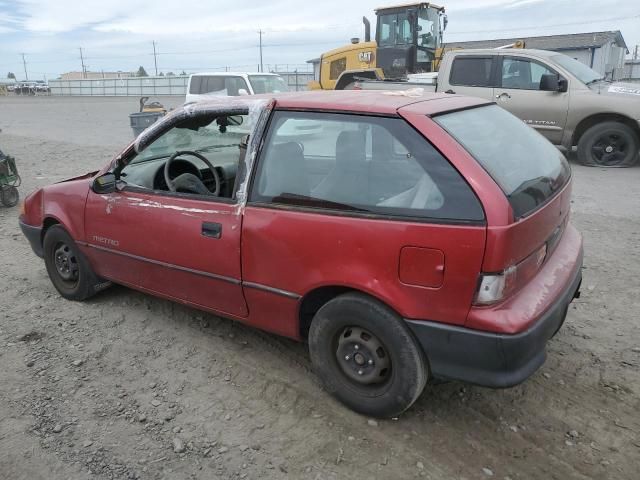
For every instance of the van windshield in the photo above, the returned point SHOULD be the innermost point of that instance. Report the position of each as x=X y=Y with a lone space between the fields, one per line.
x=268 y=84
x=528 y=168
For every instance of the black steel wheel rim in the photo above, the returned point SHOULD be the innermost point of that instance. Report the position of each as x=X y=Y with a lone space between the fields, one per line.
x=362 y=357
x=66 y=263
x=610 y=149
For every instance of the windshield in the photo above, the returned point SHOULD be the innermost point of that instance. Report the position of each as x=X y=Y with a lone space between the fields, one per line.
x=268 y=84
x=208 y=135
x=527 y=167
x=577 y=69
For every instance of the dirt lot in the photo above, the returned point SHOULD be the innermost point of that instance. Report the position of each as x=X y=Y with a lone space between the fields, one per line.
x=129 y=386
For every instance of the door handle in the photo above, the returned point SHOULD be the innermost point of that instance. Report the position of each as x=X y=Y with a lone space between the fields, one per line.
x=502 y=95
x=211 y=230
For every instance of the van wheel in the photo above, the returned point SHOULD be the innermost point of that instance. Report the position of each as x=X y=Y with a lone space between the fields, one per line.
x=366 y=357
x=608 y=144
x=67 y=267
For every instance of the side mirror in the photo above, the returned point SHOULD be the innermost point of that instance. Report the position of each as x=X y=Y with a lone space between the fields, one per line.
x=104 y=183
x=563 y=85
x=551 y=82
x=242 y=92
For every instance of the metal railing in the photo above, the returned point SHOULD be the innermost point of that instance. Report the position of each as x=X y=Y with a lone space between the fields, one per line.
x=150 y=86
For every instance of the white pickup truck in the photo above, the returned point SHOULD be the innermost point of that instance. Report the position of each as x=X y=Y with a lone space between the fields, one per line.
x=566 y=101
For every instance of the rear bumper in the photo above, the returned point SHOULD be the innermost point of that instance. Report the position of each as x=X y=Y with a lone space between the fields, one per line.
x=34 y=235
x=496 y=360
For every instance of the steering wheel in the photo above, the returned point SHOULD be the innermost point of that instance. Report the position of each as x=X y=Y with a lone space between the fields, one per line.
x=189 y=181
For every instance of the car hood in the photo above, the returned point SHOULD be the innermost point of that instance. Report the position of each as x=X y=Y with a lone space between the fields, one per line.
x=81 y=177
x=617 y=89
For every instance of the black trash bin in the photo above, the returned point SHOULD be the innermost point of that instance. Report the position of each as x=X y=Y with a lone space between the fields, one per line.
x=140 y=121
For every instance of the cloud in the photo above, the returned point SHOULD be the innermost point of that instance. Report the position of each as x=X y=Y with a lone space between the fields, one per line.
x=196 y=34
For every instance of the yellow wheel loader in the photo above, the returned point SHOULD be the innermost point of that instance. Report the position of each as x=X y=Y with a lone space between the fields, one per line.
x=408 y=41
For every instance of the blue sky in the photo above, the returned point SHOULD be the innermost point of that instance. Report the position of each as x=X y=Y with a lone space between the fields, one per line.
x=194 y=35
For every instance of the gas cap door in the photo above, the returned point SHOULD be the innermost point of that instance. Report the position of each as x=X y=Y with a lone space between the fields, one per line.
x=421 y=267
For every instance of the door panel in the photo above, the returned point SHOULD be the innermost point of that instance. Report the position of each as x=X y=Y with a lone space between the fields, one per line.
x=519 y=93
x=183 y=247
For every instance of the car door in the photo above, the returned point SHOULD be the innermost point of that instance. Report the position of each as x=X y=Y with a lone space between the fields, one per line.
x=471 y=75
x=519 y=93
x=184 y=246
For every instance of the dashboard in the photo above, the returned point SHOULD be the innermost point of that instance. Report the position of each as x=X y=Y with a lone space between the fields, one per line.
x=150 y=174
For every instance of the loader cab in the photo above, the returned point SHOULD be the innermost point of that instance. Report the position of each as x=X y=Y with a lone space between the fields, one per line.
x=407 y=38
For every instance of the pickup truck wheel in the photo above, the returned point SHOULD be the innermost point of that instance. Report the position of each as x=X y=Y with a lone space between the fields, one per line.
x=608 y=144
x=67 y=267
x=366 y=357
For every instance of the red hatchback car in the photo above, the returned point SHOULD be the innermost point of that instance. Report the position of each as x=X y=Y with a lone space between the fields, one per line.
x=406 y=239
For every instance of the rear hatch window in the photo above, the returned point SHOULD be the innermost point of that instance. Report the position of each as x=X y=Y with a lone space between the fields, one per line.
x=528 y=168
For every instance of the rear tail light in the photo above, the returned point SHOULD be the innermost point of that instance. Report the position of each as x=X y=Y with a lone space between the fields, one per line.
x=495 y=287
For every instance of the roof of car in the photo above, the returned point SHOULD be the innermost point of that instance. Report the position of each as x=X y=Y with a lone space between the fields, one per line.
x=373 y=101
x=506 y=51
x=232 y=74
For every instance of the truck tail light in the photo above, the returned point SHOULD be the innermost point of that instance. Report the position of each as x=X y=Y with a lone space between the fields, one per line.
x=495 y=287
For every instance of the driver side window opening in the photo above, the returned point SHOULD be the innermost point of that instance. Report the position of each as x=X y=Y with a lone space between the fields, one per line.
x=203 y=154
x=358 y=164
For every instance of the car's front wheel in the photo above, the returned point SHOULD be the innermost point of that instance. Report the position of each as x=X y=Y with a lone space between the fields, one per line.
x=67 y=267
x=608 y=144
x=366 y=357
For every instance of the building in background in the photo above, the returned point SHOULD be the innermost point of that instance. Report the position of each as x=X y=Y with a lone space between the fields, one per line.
x=95 y=75
x=602 y=51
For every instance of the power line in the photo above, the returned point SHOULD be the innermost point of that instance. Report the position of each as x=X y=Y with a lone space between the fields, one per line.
x=603 y=20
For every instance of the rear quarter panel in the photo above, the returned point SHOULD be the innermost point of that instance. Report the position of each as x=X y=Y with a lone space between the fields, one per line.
x=298 y=251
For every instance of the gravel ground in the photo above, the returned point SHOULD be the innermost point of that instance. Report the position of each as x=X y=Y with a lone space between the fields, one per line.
x=130 y=386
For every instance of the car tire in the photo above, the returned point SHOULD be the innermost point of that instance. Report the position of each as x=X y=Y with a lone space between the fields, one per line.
x=608 y=144
x=366 y=356
x=68 y=268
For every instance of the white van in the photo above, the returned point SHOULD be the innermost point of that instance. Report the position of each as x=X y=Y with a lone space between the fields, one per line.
x=233 y=84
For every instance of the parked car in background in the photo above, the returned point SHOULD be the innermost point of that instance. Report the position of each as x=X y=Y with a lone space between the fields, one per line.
x=32 y=87
x=413 y=239
x=563 y=99
x=206 y=85
x=232 y=84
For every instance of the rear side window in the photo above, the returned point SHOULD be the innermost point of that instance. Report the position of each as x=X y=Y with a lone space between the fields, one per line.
x=214 y=84
x=471 y=71
x=352 y=163
x=528 y=168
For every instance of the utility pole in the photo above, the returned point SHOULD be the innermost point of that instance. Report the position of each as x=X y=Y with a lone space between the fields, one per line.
x=84 y=69
x=24 y=63
x=260 y=32
x=635 y=53
x=155 y=57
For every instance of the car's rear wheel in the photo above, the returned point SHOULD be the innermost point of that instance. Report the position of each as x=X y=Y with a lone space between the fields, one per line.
x=67 y=267
x=366 y=357
x=608 y=144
